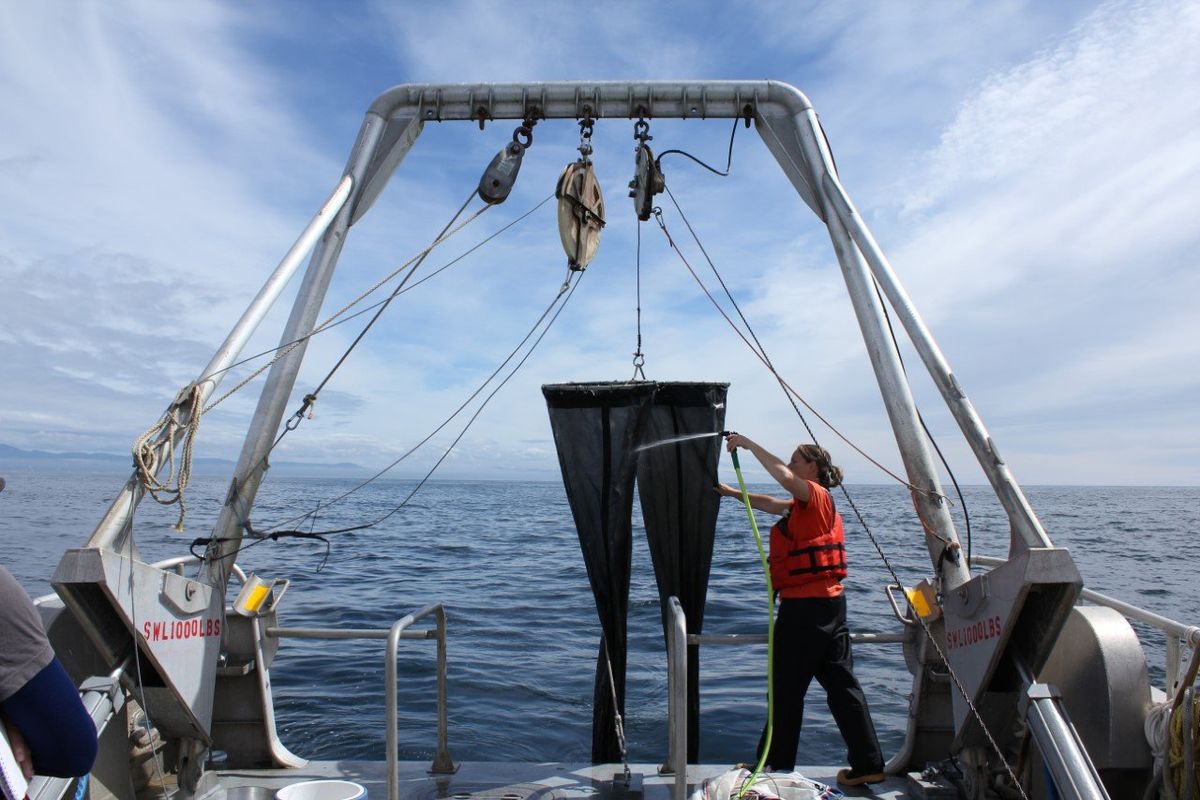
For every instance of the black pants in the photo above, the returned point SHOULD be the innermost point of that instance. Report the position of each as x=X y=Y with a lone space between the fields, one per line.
x=813 y=641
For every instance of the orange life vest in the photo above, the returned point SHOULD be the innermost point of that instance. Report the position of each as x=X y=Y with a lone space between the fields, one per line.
x=807 y=562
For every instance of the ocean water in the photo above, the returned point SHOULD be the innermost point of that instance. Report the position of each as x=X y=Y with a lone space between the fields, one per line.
x=523 y=632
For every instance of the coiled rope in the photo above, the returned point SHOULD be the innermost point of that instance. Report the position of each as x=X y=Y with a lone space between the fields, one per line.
x=1173 y=732
x=182 y=415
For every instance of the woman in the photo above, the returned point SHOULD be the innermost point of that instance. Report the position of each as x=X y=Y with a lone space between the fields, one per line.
x=807 y=560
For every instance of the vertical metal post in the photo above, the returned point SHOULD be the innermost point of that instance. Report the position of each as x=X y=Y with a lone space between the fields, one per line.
x=1173 y=655
x=668 y=766
x=389 y=687
x=897 y=396
x=1020 y=514
x=677 y=724
x=442 y=762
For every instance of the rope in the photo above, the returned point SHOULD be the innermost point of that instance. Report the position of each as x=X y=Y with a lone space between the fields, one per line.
x=639 y=358
x=617 y=722
x=791 y=394
x=566 y=287
x=333 y=322
x=395 y=292
x=928 y=434
x=147 y=461
x=1174 y=738
x=310 y=399
x=565 y=292
x=283 y=350
x=759 y=351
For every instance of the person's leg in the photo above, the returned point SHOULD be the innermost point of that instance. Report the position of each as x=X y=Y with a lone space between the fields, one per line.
x=60 y=734
x=846 y=699
x=796 y=659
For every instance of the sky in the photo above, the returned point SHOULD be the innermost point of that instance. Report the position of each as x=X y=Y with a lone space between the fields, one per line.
x=1031 y=169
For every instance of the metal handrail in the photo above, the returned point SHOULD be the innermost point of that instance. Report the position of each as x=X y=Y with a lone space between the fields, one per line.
x=1176 y=633
x=676 y=762
x=399 y=630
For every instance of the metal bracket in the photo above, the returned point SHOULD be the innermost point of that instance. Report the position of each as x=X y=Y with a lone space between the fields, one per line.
x=106 y=685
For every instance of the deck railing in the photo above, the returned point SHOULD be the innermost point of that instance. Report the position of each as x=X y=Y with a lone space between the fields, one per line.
x=399 y=630
x=442 y=763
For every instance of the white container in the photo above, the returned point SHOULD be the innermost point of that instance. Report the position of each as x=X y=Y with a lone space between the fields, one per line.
x=798 y=793
x=323 y=790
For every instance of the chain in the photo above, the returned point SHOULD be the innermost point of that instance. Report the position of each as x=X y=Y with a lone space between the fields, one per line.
x=641 y=128
x=585 y=138
x=524 y=131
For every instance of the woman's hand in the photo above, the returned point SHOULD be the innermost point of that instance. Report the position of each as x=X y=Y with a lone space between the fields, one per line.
x=725 y=490
x=20 y=750
x=735 y=440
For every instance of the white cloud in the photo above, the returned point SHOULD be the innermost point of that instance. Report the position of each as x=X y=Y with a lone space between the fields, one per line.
x=1054 y=230
x=1032 y=184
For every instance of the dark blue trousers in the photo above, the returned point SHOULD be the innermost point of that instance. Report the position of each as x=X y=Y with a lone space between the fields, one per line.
x=60 y=734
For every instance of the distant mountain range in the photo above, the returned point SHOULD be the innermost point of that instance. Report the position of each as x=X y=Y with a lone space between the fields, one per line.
x=14 y=459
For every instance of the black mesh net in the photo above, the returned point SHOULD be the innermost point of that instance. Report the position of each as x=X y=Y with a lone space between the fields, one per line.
x=598 y=430
x=675 y=486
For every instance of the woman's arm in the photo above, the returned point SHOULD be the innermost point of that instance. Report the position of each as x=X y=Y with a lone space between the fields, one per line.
x=763 y=502
x=775 y=466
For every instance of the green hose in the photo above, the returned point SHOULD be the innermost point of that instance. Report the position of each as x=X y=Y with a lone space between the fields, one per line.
x=762 y=556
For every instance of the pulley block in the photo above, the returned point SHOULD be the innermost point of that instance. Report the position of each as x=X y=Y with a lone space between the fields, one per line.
x=498 y=179
x=647 y=182
x=580 y=213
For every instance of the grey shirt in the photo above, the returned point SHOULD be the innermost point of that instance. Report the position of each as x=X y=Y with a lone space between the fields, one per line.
x=24 y=649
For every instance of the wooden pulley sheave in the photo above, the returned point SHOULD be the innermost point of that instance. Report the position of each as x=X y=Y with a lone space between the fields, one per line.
x=580 y=204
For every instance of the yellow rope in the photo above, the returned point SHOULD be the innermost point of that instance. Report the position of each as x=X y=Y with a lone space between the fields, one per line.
x=1181 y=738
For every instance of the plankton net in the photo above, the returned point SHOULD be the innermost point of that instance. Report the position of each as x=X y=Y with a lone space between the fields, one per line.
x=601 y=432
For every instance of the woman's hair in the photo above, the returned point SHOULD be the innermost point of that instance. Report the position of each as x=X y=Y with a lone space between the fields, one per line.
x=828 y=475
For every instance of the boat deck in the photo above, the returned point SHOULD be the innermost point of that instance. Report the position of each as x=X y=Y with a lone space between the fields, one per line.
x=499 y=781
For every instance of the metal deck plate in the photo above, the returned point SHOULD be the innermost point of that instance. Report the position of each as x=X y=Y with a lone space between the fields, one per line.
x=497 y=780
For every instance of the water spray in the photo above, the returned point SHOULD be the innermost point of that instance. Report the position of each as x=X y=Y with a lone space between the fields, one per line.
x=687 y=437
